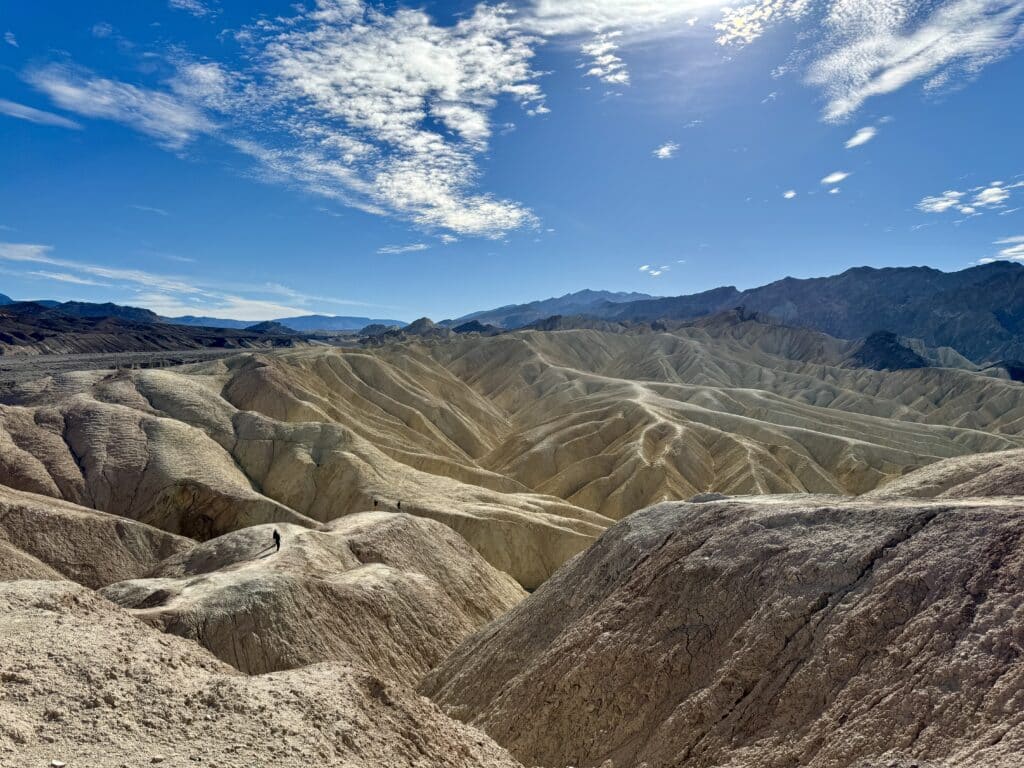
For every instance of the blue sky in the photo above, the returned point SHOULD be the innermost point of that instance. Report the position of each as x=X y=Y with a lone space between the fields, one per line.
x=263 y=159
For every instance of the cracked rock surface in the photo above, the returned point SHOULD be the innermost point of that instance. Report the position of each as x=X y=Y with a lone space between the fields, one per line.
x=765 y=632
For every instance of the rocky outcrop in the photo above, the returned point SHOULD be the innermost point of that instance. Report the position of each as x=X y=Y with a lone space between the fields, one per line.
x=986 y=474
x=391 y=593
x=764 y=632
x=86 y=684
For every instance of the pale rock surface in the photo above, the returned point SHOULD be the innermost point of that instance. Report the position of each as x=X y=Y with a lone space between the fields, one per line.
x=86 y=684
x=55 y=539
x=389 y=592
x=765 y=632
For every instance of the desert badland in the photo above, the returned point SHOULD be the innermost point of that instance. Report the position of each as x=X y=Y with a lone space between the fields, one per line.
x=722 y=541
x=512 y=384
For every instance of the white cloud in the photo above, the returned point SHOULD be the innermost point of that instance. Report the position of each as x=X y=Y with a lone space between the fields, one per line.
x=605 y=63
x=941 y=203
x=580 y=17
x=195 y=7
x=10 y=39
x=22 y=112
x=994 y=195
x=789 y=194
x=666 y=151
x=395 y=249
x=743 y=25
x=1014 y=251
x=880 y=47
x=390 y=112
x=645 y=267
x=834 y=191
x=990 y=196
x=172 y=121
x=835 y=178
x=861 y=137
x=866 y=48
x=102 y=29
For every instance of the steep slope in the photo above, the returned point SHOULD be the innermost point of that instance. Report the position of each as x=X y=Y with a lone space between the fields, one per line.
x=389 y=592
x=988 y=474
x=86 y=684
x=93 y=548
x=242 y=442
x=766 y=631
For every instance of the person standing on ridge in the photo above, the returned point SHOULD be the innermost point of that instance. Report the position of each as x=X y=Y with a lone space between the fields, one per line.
x=399 y=506
x=277 y=540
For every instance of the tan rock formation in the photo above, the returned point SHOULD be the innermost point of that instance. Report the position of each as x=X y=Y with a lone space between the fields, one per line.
x=392 y=593
x=769 y=631
x=527 y=444
x=53 y=539
x=85 y=684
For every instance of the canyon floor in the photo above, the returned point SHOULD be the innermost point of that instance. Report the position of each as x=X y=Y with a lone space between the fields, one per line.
x=727 y=544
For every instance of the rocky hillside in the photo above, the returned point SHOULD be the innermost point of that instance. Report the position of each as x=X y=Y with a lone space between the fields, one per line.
x=764 y=632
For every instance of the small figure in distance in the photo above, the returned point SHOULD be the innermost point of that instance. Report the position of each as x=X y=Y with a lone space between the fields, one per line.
x=374 y=503
x=277 y=540
x=399 y=505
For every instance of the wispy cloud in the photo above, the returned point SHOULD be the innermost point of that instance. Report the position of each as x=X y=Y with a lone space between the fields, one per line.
x=172 y=121
x=66 y=277
x=169 y=294
x=396 y=249
x=195 y=7
x=38 y=116
x=666 y=151
x=835 y=178
x=150 y=209
x=10 y=39
x=1013 y=252
x=861 y=137
x=789 y=194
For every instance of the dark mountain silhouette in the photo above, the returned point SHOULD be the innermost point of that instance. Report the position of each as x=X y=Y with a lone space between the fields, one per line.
x=475 y=326
x=32 y=328
x=883 y=351
x=87 y=309
x=5 y=300
x=299 y=323
x=268 y=326
x=579 y=303
x=979 y=311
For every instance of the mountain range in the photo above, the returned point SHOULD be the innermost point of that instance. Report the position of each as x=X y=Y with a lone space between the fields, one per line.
x=301 y=323
x=977 y=312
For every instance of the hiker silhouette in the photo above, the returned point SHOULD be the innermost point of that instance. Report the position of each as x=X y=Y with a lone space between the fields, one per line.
x=399 y=506
x=277 y=540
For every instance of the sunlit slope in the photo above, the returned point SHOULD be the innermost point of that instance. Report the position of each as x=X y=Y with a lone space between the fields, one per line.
x=391 y=592
x=528 y=444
